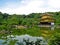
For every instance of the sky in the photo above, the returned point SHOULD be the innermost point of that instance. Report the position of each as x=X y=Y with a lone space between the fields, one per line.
x=29 y=6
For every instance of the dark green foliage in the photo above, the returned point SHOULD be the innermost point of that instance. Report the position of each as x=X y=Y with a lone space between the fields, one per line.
x=55 y=39
x=29 y=20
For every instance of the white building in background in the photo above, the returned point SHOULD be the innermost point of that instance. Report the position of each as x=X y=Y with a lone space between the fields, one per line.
x=52 y=25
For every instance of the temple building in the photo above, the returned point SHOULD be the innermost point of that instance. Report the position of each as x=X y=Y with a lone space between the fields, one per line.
x=47 y=19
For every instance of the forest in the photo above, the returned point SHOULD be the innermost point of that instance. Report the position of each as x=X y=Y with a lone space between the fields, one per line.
x=33 y=19
x=20 y=24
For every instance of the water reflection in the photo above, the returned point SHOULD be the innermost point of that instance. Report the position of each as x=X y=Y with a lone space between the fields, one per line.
x=22 y=40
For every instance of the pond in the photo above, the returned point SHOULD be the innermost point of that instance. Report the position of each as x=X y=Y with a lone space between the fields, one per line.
x=22 y=40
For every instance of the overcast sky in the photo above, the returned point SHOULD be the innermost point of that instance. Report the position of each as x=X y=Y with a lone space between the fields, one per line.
x=29 y=6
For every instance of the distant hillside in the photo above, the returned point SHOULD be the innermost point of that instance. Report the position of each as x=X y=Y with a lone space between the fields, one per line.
x=28 y=20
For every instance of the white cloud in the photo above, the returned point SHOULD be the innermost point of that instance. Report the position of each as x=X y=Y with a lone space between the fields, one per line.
x=54 y=3
x=31 y=6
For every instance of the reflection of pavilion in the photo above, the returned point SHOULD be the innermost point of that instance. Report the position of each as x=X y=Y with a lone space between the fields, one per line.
x=46 y=19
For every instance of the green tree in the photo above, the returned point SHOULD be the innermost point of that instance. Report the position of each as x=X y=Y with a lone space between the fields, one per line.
x=55 y=39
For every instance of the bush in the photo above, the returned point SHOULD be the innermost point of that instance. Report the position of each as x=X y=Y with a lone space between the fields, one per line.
x=55 y=39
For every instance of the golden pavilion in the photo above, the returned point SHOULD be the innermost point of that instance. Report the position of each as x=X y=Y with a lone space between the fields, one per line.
x=46 y=19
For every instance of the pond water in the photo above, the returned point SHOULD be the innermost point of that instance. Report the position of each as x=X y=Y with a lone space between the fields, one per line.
x=22 y=40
